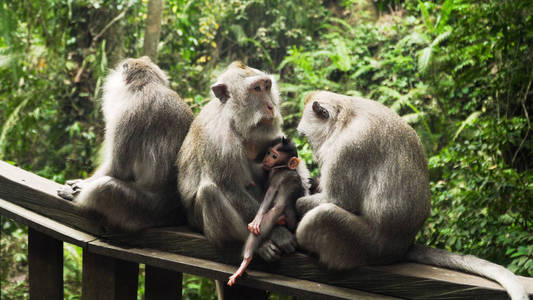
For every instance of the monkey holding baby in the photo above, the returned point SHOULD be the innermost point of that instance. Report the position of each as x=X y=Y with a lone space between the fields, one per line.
x=219 y=180
x=145 y=125
x=374 y=191
x=284 y=187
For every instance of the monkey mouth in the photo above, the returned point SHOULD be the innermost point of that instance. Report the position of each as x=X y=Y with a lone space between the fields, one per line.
x=267 y=121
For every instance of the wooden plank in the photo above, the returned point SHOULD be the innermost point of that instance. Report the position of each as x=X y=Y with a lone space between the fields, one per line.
x=162 y=284
x=219 y=271
x=45 y=259
x=107 y=278
x=401 y=280
x=406 y=280
x=39 y=194
x=45 y=225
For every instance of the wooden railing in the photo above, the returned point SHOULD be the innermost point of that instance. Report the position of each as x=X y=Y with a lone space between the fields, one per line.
x=111 y=263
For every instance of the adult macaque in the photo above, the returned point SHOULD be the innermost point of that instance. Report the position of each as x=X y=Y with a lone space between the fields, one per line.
x=146 y=123
x=216 y=162
x=284 y=187
x=374 y=191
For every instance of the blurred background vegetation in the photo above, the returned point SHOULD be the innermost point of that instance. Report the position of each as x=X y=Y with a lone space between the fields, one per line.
x=459 y=72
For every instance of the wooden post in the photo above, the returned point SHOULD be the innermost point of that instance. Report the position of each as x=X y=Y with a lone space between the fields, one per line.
x=107 y=278
x=239 y=292
x=45 y=257
x=162 y=284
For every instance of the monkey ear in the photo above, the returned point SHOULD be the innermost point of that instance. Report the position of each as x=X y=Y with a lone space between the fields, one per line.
x=293 y=163
x=320 y=111
x=221 y=91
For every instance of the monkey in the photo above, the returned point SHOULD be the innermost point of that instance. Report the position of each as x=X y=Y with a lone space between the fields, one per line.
x=375 y=193
x=284 y=187
x=217 y=161
x=145 y=125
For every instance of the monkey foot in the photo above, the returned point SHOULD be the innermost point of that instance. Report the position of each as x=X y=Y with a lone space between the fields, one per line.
x=232 y=279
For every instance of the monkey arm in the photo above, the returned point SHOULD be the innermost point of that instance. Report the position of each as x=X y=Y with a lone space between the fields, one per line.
x=306 y=203
x=255 y=225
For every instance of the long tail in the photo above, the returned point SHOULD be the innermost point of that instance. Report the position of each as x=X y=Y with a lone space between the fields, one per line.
x=470 y=264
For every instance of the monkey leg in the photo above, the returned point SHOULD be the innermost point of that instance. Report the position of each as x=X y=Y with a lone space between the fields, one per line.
x=341 y=239
x=289 y=216
x=240 y=271
x=123 y=206
x=220 y=221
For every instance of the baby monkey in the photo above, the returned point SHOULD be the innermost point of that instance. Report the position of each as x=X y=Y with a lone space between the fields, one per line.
x=284 y=187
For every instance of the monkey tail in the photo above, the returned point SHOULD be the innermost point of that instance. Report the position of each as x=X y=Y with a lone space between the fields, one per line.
x=470 y=264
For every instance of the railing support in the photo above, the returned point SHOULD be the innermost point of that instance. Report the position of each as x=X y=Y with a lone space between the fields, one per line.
x=239 y=292
x=45 y=257
x=162 y=284
x=107 y=278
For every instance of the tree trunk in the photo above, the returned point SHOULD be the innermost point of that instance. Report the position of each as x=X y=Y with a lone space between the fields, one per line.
x=153 y=28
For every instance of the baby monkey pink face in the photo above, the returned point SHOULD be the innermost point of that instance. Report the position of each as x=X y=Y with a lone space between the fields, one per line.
x=276 y=158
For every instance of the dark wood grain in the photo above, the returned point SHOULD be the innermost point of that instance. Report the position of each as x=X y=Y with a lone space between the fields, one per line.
x=405 y=280
x=107 y=278
x=45 y=259
x=162 y=284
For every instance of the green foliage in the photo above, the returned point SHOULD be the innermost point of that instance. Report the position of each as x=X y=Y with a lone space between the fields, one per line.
x=196 y=288
x=459 y=72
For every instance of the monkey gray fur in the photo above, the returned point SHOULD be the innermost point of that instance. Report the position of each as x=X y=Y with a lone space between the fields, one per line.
x=374 y=191
x=146 y=123
x=217 y=160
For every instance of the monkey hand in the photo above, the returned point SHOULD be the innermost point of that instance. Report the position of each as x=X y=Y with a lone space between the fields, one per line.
x=71 y=189
x=255 y=226
x=74 y=182
x=269 y=251
x=283 y=239
x=67 y=192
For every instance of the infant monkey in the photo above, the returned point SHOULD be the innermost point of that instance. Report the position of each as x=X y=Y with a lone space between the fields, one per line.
x=284 y=187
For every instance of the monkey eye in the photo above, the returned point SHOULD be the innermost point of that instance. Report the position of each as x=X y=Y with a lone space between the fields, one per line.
x=274 y=156
x=257 y=88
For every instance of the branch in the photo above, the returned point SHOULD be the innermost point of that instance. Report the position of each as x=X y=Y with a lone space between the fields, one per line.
x=527 y=118
x=92 y=48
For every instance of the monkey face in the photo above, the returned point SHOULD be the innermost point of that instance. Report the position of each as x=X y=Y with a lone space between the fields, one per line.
x=273 y=157
x=252 y=99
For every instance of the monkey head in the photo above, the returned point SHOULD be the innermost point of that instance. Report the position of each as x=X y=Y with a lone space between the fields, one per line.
x=252 y=97
x=281 y=153
x=133 y=74
x=324 y=112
